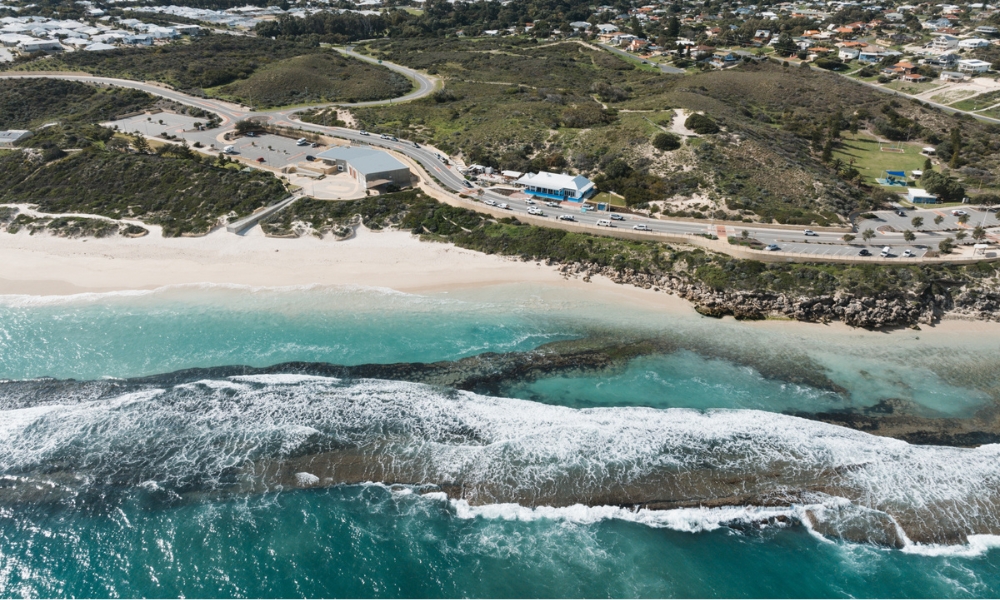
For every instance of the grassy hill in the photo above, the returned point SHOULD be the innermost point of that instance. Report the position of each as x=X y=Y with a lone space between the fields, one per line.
x=184 y=195
x=315 y=78
x=263 y=68
x=29 y=103
x=516 y=104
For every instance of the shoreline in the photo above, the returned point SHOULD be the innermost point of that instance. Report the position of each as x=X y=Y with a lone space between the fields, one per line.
x=48 y=265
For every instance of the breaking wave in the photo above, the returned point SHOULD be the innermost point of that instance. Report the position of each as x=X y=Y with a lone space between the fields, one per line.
x=500 y=458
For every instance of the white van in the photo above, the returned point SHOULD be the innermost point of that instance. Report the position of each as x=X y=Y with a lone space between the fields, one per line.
x=302 y=142
x=886 y=251
x=229 y=149
x=604 y=223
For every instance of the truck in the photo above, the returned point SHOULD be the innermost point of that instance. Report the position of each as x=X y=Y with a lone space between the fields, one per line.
x=229 y=149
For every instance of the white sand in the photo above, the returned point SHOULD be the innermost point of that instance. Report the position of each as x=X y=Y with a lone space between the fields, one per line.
x=46 y=265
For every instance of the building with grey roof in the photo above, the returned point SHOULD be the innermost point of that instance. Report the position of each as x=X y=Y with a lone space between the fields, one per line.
x=370 y=167
x=10 y=137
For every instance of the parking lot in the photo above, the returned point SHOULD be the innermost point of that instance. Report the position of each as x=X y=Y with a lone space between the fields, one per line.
x=842 y=250
x=949 y=221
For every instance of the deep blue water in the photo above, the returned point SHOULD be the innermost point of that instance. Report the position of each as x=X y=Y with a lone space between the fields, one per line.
x=108 y=497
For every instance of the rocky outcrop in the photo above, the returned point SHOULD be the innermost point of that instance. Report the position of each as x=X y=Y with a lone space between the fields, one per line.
x=871 y=313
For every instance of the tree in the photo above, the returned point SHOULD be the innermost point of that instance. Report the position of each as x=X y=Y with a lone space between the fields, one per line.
x=867 y=234
x=961 y=235
x=909 y=236
x=978 y=233
x=946 y=246
x=140 y=144
x=848 y=238
x=701 y=124
x=246 y=126
x=785 y=46
x=828 y=150
x=928 y=165
x=853 y=127
x=938 y=220
x=666 y=142
x=941 y=185
x=917 y=222
x=673 y=28
x=963 y=219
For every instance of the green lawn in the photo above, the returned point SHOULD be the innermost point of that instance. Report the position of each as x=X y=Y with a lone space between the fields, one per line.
x=608 y=198
x=871 y=162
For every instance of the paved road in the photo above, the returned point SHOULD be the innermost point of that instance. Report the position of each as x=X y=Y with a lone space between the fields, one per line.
x=665 y=68
x=823 y=244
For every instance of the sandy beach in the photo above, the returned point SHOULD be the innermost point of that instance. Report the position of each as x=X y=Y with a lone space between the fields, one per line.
x=47 y=265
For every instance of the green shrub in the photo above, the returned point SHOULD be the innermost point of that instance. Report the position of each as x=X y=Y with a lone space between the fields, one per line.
x=701 y=124
x=666 y=142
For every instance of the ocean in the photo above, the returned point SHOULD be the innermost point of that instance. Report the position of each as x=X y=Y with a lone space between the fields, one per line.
x=512 y=441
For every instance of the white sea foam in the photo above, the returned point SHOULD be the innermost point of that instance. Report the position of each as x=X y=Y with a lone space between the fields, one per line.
x=282 y=378
x=172 y=436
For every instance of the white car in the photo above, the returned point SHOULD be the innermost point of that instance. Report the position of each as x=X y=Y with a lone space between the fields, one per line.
x=536 y=211
x=958 y=213
x=567 y=218
x=809 y=233
x=772 y=247
x=529 y=201
x=302 y=142
x=363 y=132
x=489 y=202
x=504 y=206
x=908 y=253
x=642 y=227
x=552 y=204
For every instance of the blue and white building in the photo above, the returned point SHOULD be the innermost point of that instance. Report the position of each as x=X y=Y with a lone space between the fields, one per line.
x=557 y=186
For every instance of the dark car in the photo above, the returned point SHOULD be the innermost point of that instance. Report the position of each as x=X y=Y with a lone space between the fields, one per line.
x=260 y=159
x=900 y=213
x=310 y=157
x=864 y=252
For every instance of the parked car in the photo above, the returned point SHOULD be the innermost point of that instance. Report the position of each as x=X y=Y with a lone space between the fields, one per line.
x=864 y=252
x=567 y=218
x=642 y=227
x=772 y=247
x=315 y=144
x=900 y=213
x=260 y=159
x=302 y=142
x=310 y=157
x=809 y=233
x=958 y=213
x=908 y=253
x=617 y=217
x=886 y=251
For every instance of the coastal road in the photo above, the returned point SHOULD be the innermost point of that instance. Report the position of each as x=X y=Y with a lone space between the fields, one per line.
x=823 y=245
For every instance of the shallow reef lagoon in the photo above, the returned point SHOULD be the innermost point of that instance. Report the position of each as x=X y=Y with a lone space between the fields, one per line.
x=197 y=441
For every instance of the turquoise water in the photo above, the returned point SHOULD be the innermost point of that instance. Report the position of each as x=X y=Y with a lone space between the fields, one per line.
x=165 y=490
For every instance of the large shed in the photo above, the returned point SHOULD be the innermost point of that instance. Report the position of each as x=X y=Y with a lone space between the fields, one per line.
x=370 y=167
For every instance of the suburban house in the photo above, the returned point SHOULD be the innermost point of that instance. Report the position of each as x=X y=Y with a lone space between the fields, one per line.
x=919 y=196
x=39 y=46
x=10 y=137
x=953 y=76
x=870 y=56
x=973 y=43
x=557 y=186
x=973 y=65
x=943 y=43
x=987 y=30
x=724 y=58
x=847 y=54
x=370 y=167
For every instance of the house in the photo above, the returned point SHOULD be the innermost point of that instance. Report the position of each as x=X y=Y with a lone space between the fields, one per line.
x=913 y=78
x=943 y=43
x=973 y=43
x=557 y=186
x=370 y=167
x=187 y=29
x=987 y=30
x=99 y=47
x=141 y=39
x=724 y=58
x=972 y=65
x=953 y=76
x=511 y=176
x=12 y=136
x=847 y=54
x=919 y=196
x=40 y=46
x=607 y=28
x=870 y=56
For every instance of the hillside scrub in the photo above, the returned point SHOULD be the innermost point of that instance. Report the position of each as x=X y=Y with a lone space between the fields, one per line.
x=261 y=68
x=31 y=103
x=186 y=196
x=512 y=103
